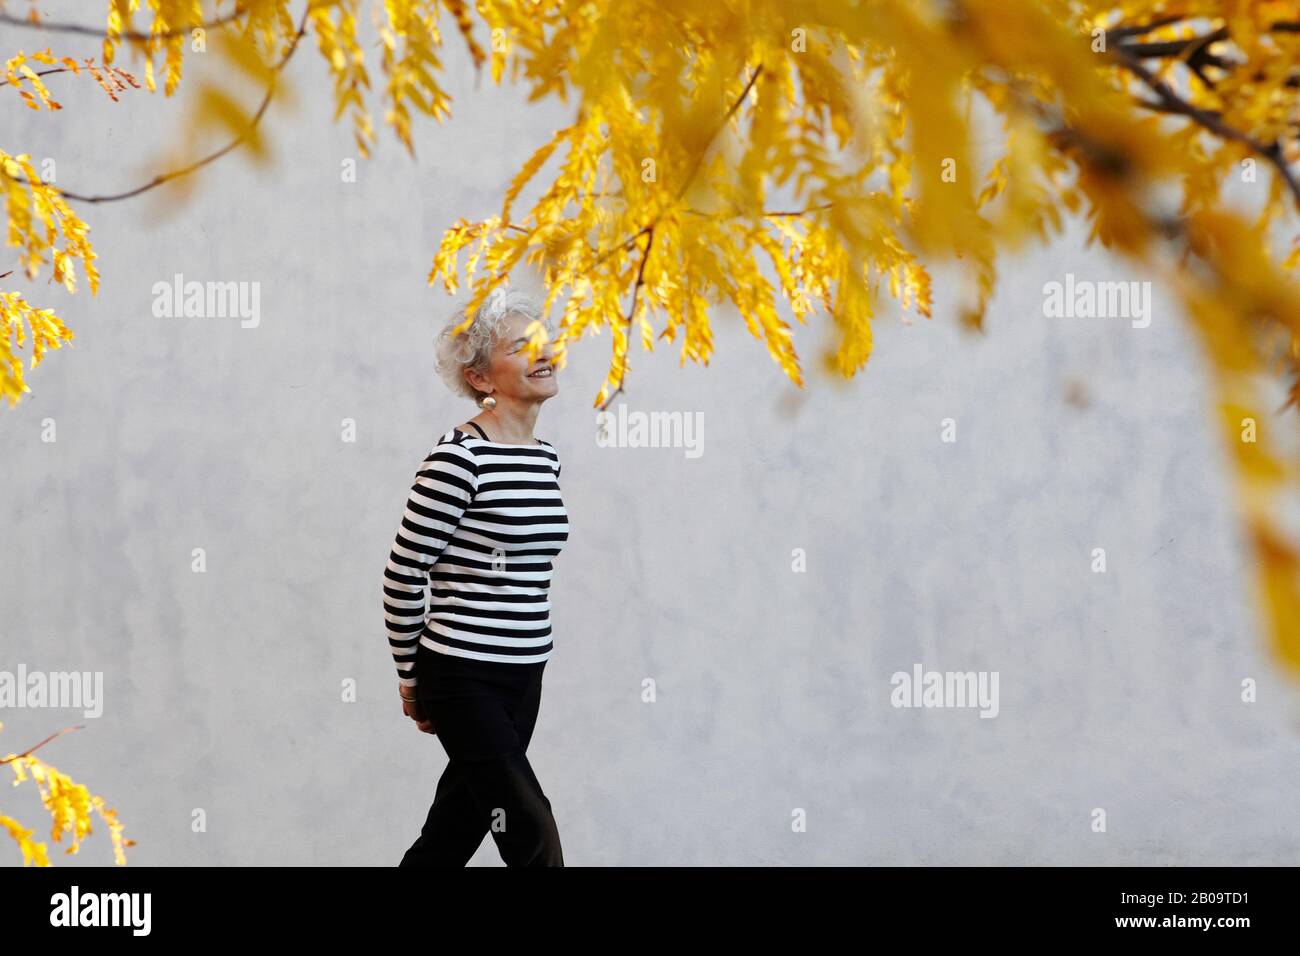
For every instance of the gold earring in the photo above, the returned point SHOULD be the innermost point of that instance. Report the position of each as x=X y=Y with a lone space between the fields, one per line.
x=488 y=402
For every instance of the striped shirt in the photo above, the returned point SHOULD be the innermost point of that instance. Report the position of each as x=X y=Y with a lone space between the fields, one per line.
x=482 y=524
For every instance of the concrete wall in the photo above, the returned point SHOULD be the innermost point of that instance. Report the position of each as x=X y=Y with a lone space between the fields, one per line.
x=222 y=689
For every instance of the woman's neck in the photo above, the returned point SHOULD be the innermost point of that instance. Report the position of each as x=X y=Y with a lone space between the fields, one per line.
x=511 y=429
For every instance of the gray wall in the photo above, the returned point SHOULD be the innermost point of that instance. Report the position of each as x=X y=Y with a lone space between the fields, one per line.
x=222 y=689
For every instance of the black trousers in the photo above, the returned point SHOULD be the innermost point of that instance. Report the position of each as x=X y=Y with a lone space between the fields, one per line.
x=484 y=713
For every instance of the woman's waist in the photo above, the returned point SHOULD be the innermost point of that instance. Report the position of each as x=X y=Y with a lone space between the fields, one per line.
x=433 y=649
x=443 y=672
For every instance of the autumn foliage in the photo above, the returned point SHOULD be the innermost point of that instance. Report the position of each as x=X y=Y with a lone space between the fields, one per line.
x=815 y=158
x=70 y=805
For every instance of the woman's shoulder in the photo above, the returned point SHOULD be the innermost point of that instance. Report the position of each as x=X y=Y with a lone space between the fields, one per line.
x=469 y=445
x=454 y=445
x=454 y=436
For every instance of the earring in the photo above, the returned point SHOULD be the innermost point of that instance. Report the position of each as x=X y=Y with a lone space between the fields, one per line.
x=488 y=402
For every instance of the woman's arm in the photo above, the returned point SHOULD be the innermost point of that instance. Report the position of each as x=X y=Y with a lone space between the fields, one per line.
x=444 y=487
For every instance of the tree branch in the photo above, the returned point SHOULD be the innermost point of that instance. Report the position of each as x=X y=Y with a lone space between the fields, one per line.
x=56 y=69
x=1136 y=30
x=11 y=20
x=695 y=167
x=186 y=170
x=1171 y=102
x=797 y=212
x=631 y=314
x=623 y=245
x=1168 y=48
x=649 y=229
x=30 y=750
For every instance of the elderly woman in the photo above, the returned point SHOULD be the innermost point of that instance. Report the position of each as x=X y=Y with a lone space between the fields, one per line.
x=483 y=522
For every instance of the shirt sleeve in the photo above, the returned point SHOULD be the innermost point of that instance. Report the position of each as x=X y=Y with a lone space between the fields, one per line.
x=444 y=487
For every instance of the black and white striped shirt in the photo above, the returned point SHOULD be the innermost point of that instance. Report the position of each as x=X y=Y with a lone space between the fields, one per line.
x=482 y=524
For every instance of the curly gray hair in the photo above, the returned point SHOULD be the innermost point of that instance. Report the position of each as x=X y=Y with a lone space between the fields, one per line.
x=473 y=348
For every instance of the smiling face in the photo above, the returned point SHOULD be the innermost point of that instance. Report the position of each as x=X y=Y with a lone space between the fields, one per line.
x=511 y=374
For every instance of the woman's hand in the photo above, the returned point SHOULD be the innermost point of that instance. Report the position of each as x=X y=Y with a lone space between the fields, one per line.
x=415 y=710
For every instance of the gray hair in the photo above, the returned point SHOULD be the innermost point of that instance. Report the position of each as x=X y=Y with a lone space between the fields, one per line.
x=473 y=348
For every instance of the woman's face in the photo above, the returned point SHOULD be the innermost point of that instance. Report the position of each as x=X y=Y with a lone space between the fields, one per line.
x=512 y=374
